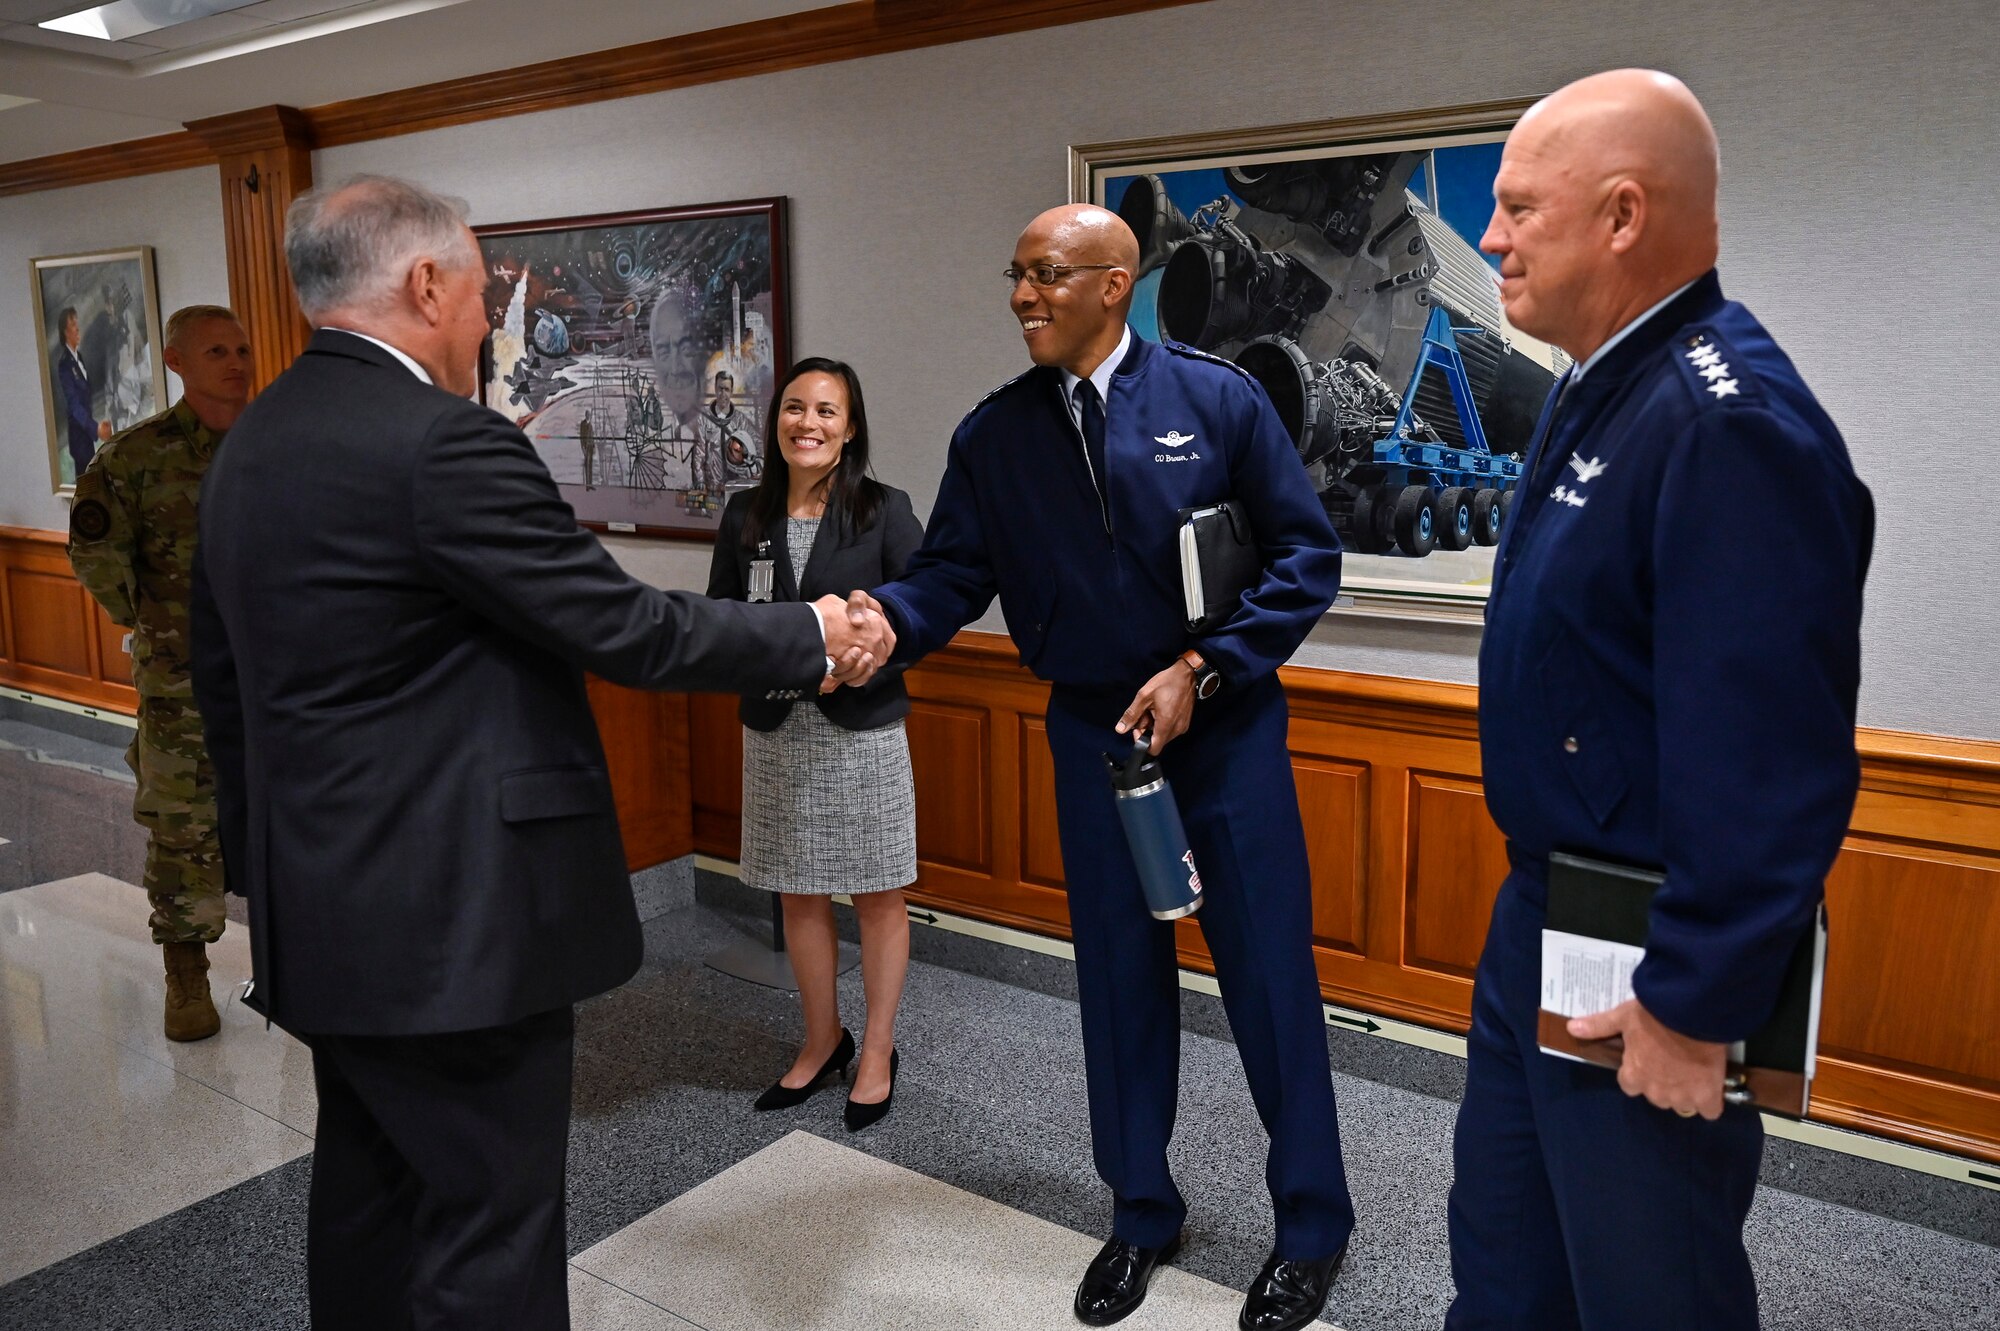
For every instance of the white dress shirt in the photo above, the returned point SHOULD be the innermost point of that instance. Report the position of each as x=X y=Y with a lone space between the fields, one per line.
x=397 y=352
x=1100 y=378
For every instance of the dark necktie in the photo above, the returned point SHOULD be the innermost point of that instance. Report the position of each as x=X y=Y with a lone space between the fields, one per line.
x=1090 y=413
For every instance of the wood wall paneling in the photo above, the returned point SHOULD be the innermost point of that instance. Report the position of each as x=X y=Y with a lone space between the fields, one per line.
x=952 y=763
x=1041 y=838
x=265 y=159
x=51 y=626
x=1406 y=863
x=1333 y=803
x=717 y=774
x=648 y=752
x=1404 y=860
x=54 y=639
x=1455 y=863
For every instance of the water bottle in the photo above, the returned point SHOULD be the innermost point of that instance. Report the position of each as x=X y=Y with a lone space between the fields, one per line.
x=1153 y=830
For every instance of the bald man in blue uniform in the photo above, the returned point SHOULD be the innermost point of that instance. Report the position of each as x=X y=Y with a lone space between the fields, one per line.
x=1060 y=497
x=1667 y=680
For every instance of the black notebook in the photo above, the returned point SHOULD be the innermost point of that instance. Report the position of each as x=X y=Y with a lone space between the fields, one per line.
x=1219 y=563
x=1594 y=937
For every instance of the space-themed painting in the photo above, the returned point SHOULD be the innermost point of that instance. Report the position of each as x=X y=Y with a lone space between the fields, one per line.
x=638 y=352
x=1338 y=265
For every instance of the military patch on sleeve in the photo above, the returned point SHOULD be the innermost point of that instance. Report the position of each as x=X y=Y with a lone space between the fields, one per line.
x=89 y=520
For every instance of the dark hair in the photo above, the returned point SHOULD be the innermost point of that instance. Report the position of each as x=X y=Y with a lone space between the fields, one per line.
x=851 y=493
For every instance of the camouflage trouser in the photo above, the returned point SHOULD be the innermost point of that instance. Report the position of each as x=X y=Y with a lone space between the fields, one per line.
x=176 y=804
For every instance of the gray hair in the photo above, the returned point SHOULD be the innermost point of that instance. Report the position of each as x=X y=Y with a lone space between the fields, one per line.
x=350 y=245
x=183 y=320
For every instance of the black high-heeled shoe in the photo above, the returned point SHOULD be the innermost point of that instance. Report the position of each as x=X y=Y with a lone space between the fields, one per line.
x=859 y=1116
x=781 y=1096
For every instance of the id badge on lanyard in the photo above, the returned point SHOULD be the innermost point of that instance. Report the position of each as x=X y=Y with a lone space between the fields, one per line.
x=761 y=574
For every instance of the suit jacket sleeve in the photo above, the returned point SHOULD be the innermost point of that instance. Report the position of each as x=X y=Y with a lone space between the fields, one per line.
x=218 y=697
x=901 y=535
x=491 y=525
x=1301 y=552
x=1756 y=663
x=949 y=581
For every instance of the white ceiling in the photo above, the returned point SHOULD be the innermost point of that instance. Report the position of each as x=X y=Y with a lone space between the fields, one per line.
x=84 y=92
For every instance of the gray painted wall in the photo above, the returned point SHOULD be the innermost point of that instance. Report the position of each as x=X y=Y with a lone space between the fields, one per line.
x=178 y=214
x=1859 y=188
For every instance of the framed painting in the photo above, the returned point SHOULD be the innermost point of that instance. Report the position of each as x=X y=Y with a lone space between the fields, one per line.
x=97 y=344
x=638 y=351
x=1338 y=263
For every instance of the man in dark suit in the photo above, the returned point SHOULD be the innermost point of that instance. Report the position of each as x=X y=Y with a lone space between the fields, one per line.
x=392 y=612
x=82 y=430
x=1668 y=679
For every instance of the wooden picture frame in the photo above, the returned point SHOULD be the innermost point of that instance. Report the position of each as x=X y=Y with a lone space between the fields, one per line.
x=103 y=372
x=1337 y=261
x=638 y=351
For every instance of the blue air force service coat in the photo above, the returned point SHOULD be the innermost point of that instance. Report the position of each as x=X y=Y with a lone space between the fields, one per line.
x=1672 y=649
x=1091 y=591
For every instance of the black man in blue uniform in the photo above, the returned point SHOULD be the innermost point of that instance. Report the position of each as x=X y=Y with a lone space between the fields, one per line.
x=1668 y=680
x=1060 y=496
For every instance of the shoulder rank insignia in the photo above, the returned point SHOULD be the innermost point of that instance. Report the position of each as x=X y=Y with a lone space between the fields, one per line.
x=996 y=393
x=1196 y=353
x=1705 y=362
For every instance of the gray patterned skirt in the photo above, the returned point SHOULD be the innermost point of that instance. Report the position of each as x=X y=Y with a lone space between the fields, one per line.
x=828 y=810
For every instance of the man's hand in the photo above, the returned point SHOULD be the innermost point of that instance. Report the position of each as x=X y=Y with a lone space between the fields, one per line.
x=1164 y=706
x=858 y=638
x=104 y=431
x=1669 y=1069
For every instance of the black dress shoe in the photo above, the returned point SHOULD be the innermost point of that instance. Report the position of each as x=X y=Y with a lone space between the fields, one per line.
x=781 y=1096
x=1115 y=1283
x=859 y=1116
x=1288 y=1295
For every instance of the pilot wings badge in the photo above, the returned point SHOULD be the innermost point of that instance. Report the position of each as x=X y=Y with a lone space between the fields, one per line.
x=1173 y=439
x=1586 y=471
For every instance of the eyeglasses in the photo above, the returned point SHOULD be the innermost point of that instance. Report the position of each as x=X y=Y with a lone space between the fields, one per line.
x=1048 y=274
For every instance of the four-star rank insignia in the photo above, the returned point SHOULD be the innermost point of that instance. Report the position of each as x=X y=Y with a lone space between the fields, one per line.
x=1705 y=359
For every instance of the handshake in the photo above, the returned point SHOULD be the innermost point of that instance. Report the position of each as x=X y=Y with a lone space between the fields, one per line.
x=858 y=638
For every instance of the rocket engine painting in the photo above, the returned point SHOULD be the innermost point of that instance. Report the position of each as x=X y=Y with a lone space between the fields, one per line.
x=1345 y=277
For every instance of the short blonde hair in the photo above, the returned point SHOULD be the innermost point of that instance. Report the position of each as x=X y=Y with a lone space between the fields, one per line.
x=187 y=316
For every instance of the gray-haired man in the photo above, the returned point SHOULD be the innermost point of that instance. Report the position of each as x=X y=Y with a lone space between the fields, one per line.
x=393 y=608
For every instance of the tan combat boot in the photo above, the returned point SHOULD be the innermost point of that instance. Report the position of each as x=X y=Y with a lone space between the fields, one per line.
x=191 y=1014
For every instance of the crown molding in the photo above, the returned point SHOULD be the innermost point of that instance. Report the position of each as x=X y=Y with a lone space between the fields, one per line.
x=796 y=41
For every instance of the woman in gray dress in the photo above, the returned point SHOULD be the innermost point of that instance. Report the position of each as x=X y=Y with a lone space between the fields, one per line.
x=828 y=801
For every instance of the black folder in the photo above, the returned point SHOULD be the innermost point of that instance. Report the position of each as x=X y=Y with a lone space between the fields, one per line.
x=1773 y=1068
x=1219 y=562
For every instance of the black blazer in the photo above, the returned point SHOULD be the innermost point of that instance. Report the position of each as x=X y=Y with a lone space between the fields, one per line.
x=392 y=611
x=841 y=561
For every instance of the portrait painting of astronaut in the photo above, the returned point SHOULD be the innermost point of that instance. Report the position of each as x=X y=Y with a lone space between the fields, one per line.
x=637 y=352
x=97 y=346
x=1341 y=270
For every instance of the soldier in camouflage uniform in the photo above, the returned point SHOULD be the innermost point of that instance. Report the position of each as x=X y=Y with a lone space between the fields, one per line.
x=131 y=541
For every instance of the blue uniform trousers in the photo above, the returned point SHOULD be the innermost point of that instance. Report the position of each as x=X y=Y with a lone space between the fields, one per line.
x=1575 y=1205
x=1233 y=780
